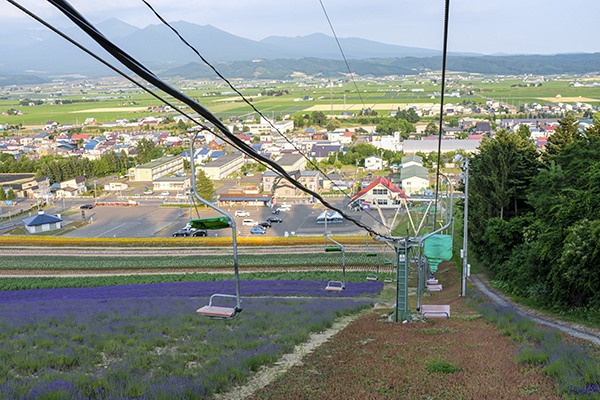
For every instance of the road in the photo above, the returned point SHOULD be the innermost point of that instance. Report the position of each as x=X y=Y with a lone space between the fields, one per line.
x=496 y=297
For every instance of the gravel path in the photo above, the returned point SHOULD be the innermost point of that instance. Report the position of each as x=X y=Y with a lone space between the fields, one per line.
x=481 y=283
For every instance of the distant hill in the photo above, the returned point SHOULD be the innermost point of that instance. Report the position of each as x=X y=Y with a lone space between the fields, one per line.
x=322 y=46
x=284 y=68
x=273 y=58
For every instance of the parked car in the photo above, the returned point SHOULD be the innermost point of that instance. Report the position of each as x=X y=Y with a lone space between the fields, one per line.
x=241 y=213
x=282 y=209
x=183 y=232
x=249 y=222
x=148 y=192
x=87 y=206
x=165 y=194
x=180 y=196
x=265 y=224
x=275 y=212
x=248 y=174
x=258 y=230
x=200 y=232
x=274 y=219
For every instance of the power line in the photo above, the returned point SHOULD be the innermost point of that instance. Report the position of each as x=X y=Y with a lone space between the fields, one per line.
x=244 y=98
x=439 y=155
x=147 y=75
x=343 y=55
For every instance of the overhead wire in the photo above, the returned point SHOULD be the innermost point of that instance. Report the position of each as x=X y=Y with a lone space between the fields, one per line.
x=157 y=14
x=439 y=153
x=343 y=55
x=147 y=75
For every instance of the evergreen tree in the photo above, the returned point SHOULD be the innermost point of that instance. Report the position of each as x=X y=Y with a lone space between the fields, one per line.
x=2 y=194
x=566 y=133
x=11 y=195
x=205 y=187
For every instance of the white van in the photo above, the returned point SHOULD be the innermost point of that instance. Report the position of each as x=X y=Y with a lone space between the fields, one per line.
x=249 y=222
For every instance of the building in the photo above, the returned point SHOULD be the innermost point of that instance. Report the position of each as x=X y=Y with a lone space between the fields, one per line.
x=224 y=166
x=415 y=178
x=380 y=191
x=374 y=163
x=428 y=146
x=72 y=187
x=42 y=222
x=172 y=183
x=25 y=185
x=156 y=169
x=292 y=162
x=248 y=196
x=411 y=159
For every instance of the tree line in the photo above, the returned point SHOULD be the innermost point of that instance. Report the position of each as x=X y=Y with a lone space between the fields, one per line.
x=534 y=218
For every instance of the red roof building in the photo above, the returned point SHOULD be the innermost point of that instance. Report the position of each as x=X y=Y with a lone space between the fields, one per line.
x=382 y=191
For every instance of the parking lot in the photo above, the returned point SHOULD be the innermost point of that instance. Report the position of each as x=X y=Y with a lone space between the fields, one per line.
x=150 y=220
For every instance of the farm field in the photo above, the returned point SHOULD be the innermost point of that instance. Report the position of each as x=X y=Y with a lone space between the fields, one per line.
x=145 y=341
x=137 y=337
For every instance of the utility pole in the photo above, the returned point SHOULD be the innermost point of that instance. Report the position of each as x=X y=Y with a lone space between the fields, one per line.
x=465 y=231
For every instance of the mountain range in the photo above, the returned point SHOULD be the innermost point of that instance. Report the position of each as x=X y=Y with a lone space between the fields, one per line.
x=42 y=51
x=43 y=54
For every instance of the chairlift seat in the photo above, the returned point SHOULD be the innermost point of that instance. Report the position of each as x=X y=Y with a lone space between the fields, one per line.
x=331 y=286
x=336 y=248
x=371 y=254
x=220 y=312
x=387 y=262
x=432 y=281
x=371 y=278
x=210 y=223
x=217 y=311
x=388 y=280
x=434 y=288
x=435 y=311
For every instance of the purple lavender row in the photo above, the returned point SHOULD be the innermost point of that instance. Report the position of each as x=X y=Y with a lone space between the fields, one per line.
x=195 y=289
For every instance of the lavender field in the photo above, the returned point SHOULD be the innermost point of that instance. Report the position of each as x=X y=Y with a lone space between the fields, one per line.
x=146 y=341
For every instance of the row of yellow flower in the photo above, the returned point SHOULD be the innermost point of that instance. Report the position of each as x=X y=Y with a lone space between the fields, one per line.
x=173 y=242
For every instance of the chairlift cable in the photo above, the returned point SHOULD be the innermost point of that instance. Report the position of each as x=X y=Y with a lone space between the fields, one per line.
x=342 y=51
x=147 y=75
x=439 y=154
x=238 y=92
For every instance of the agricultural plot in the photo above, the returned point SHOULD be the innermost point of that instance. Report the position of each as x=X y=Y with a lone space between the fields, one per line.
x=146 y=341
x=311 y=259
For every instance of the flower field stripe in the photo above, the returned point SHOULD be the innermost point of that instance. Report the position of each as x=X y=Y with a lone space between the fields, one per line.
x=24 y=283
x=192 y=289
x=145 y=341
x=174 y=242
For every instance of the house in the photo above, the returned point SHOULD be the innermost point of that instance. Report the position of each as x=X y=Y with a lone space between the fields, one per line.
x=380 y=191
x=25 y=185
x=412 y=159
x=72 y=187
x=415 y=178
x=309 y=179
x=116 y=186
x=42 y=222
x=374 y=163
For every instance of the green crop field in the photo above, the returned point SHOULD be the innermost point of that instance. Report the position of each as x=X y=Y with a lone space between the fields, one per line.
x=109 y=101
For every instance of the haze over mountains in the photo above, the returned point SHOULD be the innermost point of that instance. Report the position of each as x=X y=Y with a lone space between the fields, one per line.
x=44 y=53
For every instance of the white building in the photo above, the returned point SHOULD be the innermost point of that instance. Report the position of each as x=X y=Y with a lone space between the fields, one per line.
x=374 y=163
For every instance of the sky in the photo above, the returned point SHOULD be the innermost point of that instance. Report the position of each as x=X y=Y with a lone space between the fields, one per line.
x=479 y=26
